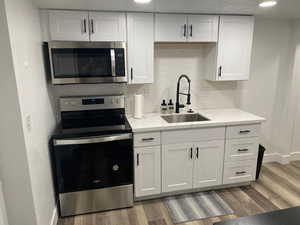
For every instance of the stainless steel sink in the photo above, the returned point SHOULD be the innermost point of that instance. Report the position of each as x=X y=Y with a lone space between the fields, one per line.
x=182 y=118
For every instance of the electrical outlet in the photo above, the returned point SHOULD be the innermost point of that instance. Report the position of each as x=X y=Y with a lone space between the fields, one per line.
x=28 y=123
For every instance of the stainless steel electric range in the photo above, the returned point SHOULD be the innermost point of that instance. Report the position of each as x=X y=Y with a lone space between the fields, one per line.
x=92 y=155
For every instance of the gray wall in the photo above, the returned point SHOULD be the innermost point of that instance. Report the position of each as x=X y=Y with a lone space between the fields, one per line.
x=35 y=102
x=14 y=170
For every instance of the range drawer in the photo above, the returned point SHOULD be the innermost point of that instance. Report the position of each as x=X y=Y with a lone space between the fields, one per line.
x=243 y=131
x=146 y=139
x=241 y=149
x=240 y=171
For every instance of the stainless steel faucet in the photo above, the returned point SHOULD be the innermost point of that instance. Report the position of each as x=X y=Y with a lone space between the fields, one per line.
x=178 y=105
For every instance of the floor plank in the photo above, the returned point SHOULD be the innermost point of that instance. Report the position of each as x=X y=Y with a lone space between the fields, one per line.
x=277 y=188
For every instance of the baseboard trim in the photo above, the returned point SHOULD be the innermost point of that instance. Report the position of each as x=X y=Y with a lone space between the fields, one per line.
x=282 y=159
x=54 y=218
x=295 y=156
x=273 y=157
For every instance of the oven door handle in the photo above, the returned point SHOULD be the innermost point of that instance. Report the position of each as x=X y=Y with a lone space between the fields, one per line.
x=91 y=140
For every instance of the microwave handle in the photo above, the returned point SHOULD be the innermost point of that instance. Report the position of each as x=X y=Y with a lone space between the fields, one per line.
x=91 y=140
x=113 y=62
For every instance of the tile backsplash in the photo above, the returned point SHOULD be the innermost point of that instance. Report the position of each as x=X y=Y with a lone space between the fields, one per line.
x=171 y=60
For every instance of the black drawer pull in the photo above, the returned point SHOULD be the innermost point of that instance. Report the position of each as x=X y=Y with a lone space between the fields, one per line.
x=138 y=159
x=243 y=150
x=148 y=139
x=244 y=131
x=240 y=172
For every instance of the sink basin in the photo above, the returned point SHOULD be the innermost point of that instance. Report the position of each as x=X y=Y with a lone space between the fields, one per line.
x=182 y=118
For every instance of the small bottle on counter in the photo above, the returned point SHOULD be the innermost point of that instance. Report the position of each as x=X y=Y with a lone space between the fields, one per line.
x=163 y=107
x=170 y=106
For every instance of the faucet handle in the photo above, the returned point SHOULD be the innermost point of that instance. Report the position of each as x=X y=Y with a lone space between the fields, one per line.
x=188 y=102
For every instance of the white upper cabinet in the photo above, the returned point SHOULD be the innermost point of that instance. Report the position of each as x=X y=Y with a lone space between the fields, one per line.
x=147 y=171
x=186 y=28
x=107 y=26
x=208 y=166
x=140 y=31
x=87 y=26
x=170 y=28
x=68 y=25
x=234 y=47
x=202 y=28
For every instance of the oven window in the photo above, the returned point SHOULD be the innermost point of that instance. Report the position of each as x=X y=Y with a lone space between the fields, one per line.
x=81 y=62
x=90 y=166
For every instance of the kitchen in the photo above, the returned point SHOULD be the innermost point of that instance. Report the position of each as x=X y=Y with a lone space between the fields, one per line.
x=255 y=104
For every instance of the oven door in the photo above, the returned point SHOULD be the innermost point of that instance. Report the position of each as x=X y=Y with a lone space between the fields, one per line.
x=77 y=62
x=93 y=162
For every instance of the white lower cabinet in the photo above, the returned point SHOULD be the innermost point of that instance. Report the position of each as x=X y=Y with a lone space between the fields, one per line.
x=208 y=164
x=177 y=167
x=238 y=172
x=196 y=165
x=147 y=171
x=179 y=160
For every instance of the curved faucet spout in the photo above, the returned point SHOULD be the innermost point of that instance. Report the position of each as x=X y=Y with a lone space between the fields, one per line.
x=178 y=93
x=184 y=76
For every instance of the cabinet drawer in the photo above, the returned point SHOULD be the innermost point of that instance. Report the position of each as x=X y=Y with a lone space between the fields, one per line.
x=240 y=171
x=147 y=139
x=241 y=149
x=243 y=131
x=193 y=135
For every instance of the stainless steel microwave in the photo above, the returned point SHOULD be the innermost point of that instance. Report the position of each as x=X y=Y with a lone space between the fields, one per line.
x=87 y=62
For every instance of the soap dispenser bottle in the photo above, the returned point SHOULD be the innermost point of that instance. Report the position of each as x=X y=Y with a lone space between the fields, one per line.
x=170 y=106
x=163 y=107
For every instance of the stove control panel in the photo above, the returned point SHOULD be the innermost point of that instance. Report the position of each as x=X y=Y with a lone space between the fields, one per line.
x=91 y=103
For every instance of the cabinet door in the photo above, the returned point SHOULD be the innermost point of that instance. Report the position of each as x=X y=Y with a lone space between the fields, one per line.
x=177 y=167
x=140 y=28
x=208 y=166
x=107 y=26
x=170 y=28
x=147 y=171
x=202 y=28
x=68 y=25
x=234 y=47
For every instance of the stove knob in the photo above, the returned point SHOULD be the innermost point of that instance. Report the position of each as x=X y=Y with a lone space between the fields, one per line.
x=115 y=167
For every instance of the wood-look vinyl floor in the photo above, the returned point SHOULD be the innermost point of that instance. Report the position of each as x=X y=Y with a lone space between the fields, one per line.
x=277 y=188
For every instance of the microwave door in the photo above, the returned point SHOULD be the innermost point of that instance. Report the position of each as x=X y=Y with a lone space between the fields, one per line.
x=75 y=62
x=81 y=63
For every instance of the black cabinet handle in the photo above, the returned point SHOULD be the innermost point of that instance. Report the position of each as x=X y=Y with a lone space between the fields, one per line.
x=240 y=172
x=92 y=26
x=184 y=30
x=148 y=139
x=131 y=73
x=84 y=26
x=197 y=153
x=191 y=30
x=243 y=150
x=138 y=159
x=191 y=153
x=220 y=71
x=244 y=131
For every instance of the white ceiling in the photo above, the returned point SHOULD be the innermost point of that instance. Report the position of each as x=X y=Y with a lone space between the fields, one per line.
x=284 y=9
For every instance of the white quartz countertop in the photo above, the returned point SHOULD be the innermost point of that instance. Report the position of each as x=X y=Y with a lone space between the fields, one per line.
x=217 y=117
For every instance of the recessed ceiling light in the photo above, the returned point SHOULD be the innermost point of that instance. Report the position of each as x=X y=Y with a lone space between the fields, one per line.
x=142 y=1
x=268 y=3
